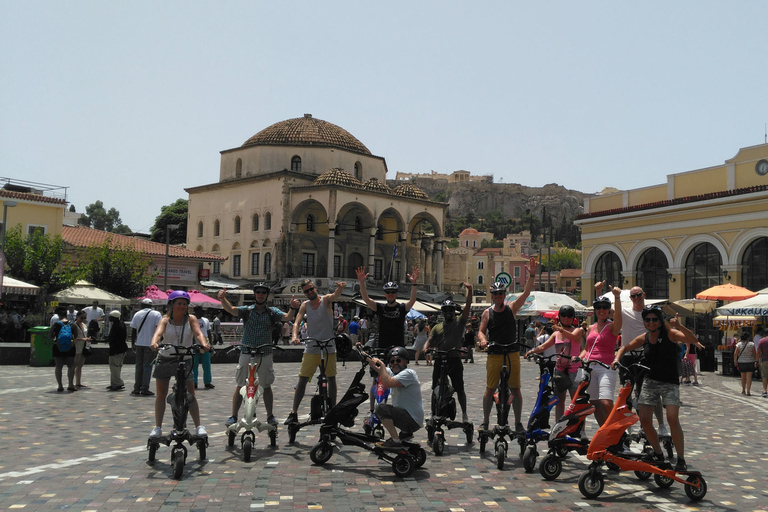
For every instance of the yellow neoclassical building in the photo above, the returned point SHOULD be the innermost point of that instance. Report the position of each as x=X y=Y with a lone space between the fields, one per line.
x=699 y=229
x=305 y=198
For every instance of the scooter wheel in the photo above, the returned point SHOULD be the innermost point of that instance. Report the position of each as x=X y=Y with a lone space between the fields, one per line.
x=201 y=449
x=529 y=458
x=501 y=455
x=483 y=441
x=291 y=434
x=663 y=481
x=591 y=484
x=561 y=451
x=419 y=456
x=438 y=444
x=523 y=443
x=469 y=431
x=403 y=465
x=247 y=447
x=696 y=493
x=152 y=451
x=430 y=434
x=321 y=453
x=230 y=438
x=177 y=460
x=273 y=438
x=642 y=475
x=550 y=467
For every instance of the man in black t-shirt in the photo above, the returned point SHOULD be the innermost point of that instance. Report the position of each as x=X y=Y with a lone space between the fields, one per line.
x=391 y=315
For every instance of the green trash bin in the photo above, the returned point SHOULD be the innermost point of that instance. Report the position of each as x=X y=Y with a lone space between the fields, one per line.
x=40 y=346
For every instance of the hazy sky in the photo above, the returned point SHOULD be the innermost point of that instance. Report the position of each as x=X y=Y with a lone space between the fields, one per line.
x=131 y=102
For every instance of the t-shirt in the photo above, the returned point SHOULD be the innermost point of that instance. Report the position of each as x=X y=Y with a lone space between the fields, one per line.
x=745 y=352
x=216 y=326
x=144 y=336
x=762 y=346
x=391 y=318
x=257 y=331
x=543 y=339
x=449 y=335
x=632 y=325
x=353 y=327
x=93 y=314
x=408 y=396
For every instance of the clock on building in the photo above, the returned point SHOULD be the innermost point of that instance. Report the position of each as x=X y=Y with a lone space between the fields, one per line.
x=762 y=167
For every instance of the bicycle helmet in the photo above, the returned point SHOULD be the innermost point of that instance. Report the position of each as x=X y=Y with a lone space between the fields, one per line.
x=398 y=352
x=498 y=286
x=566 y=311
x=601 y=300
x=261 y=286
x=178 y=294
x=448 y=307
x=656 y=310
x=390 y=286
x=343 y=345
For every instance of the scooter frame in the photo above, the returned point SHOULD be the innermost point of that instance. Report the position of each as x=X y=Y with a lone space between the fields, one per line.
x=605 y=448
x=179 y=401
x=538 y=421
x=251 y=393
x=444 y=394
x=321 y=402
x=405 y=460
x=373 y=426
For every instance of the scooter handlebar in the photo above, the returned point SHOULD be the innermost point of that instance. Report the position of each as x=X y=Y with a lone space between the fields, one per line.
x=182 y=350
x=260 y=350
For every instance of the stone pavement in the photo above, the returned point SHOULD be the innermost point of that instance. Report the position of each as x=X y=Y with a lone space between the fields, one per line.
x=87 y=451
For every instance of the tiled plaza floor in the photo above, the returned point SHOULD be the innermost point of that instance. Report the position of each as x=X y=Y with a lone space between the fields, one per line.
x=87 y=451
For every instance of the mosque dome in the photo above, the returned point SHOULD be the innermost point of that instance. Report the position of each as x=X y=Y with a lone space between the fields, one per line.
x=469 y=231
x=408 y=190
x=338 y=176
x=307 y=131
x=374 y=185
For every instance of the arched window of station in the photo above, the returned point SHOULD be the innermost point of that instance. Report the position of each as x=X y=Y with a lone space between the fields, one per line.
x=358 y=224
x=236 y=225
x=702 y=269
x=652 y=274
x=754 y=273
x=267 y=263
x=608 y=269
x=296 y=164
x=358 y=171
x=255 y=222
x=310 y=222
x=267 y=221
x=216 y=227
x=200 y=229
x=238 y=168
x=216 y=270
x=379 y=232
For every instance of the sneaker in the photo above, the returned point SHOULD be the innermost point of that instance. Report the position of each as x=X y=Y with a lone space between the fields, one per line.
x=464 y=418
x=390 y=443
x=135 y=393
x=695 y=384
x=406 y=436
x=765 y=394
x=271 y=420
x=200 y=431
x=209 y=386
x=156 y=432
x=519 y=428
x=231 y=421
x=146 y=392
x=483 y=427
x=368 y=418
x=292 y=418
x=195 y=385
x=653 y=458
x=625 y=449
x=681 y=465
x=663 y=432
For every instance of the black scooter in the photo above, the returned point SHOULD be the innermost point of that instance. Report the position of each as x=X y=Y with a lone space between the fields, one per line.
x=444 y=405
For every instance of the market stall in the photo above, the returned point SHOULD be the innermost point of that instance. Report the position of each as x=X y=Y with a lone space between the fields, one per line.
x=724 y=352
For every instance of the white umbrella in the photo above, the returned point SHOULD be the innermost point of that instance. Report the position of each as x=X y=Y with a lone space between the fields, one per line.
x=84 y=292
x=756 y=306
x=540 y=302
x=626 y=300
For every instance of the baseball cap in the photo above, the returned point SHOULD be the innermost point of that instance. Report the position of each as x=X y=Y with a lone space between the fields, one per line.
x=146 y=301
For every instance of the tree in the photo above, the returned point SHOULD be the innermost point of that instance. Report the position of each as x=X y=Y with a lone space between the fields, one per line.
x=97 y=217
x=116 y=267
x=561 y=259
x=38 y=259
x=175 y=213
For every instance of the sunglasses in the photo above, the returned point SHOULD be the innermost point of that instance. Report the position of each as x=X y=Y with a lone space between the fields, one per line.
x=396 y=360
x=497 y=293
x=389 y=292
x=602 y=306
x=308 y=290
x=651 y=320
x=262 y=292
x=636 y=295
x=566 y=316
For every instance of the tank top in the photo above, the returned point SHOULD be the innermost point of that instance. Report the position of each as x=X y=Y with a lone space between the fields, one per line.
x=601 y=346
x=180 y=335
x=567 y=347
x=319 y=326
x=661 y=357
x=502 y=326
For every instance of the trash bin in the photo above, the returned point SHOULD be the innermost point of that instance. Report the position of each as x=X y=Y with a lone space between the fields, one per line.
x=728 y=363
x=40 y=346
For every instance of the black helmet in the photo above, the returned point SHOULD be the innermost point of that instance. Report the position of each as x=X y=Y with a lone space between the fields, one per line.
x=343 y=345
x=448 y=304
x=498 y=286
x=390 y=286
x=656 y=310
x=261 y=286
x=398 y=352
x=566 y=311
x=601 y=300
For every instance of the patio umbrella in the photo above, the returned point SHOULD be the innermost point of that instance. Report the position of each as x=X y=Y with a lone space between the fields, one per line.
x=201 y=299
x=690 y=307
x=414 y=315
x=540 y=302
x=756 y=306
x=726 y=291
x=84 y=292
x=155 y=294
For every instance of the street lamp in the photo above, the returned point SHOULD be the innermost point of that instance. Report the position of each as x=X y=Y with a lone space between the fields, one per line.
x=168 y=228
x=6 y=205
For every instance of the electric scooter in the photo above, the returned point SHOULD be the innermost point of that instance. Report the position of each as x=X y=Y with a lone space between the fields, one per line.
x=606 y=447
x=444 y=405
x=405 y=459
x=539 y=420
x=639 y=437
x=179 y=400
x=251 y=394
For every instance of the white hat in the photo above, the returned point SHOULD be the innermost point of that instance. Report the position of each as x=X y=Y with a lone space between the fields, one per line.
x=114 y=314
x=146 y=301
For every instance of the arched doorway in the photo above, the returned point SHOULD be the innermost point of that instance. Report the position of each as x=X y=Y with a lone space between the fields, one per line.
x=608 y=269
x=754 y=274
x=702 y=269
x=354 y=261
x=652 y=274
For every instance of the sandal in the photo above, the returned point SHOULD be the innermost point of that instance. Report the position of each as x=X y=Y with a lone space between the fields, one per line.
x=71 y=388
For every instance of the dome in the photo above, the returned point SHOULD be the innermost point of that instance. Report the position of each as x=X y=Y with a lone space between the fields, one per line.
x=338 y=176
x=374 y=185
x=408 y=190
x=469 y=231
x=307 y=131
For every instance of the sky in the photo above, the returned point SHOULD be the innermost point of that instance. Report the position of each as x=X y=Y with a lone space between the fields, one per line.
x=131 y=102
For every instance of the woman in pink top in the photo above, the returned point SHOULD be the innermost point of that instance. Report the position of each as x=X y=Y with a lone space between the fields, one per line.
x=601 y=346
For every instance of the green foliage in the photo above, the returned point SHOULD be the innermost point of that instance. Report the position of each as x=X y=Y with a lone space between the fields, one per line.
x=493 y=243
x=97 y=217
x=561 y=259
x=116 y=267
x=175 y=213
x=37 y=259
x=452 y=243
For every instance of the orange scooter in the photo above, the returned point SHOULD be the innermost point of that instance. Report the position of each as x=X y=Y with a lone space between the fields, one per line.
x=606 y=448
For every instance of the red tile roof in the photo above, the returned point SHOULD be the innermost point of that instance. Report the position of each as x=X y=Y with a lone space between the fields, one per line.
x=81 y=236
x=26 y=196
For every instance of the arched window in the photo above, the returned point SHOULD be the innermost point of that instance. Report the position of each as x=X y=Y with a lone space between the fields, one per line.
x=238 y=168
x=200 y=229
x=379 y=232
x=296 y=164
x=358 y=224
x=652 y=274
x=608 y=269
x=702 y=269
x=466 y=243
x=480 y=279
x=480 y=265
x=237 y=224
x=310 y=222
x=474 y=243
x=267 y=262
x=754 y=274
x=255 y=263
x=267 y=221
x=358 y=170
x=255 y=222
x=216 y=227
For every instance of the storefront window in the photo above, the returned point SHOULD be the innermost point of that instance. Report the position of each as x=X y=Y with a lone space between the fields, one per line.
x=608 y=269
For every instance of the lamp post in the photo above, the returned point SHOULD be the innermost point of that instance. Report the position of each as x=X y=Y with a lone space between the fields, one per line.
x=6 y=205
x=168 y=228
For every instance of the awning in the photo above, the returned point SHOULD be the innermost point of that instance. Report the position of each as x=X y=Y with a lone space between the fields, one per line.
x=422 y=307
x=228 y=284
x=732 y=322
x=11 y=285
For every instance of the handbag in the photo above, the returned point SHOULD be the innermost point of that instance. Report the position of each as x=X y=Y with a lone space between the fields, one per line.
x=87 y=351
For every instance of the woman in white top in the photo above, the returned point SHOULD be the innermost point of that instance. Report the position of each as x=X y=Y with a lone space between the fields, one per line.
x=745 y=357
x=178 y=327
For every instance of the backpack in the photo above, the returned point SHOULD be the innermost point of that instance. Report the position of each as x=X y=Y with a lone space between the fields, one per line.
x=64 y=338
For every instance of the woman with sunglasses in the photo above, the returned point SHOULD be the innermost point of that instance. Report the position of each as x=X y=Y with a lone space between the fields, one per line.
x=660 y=354
x=601 y=345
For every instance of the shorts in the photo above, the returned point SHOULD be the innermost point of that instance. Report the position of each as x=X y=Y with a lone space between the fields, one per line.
x=653 y=390
x=603 y=384
x=567 y=381
x=166 y=368
x=747 y=367
x=493 y=366
x=764 y=369
x=399 y=417
x=265 y=371
x=79 y=346
x=310 y=362
x=455 y=372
